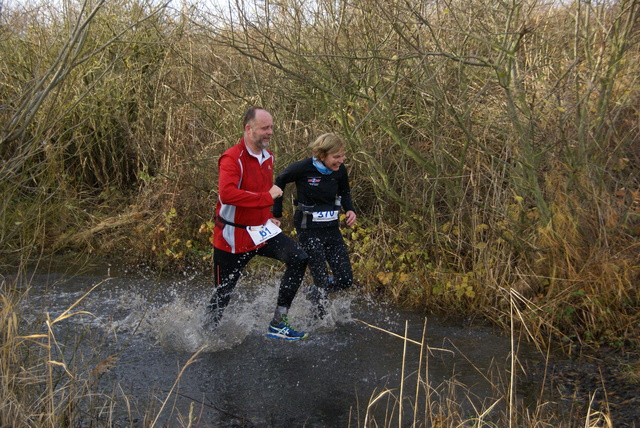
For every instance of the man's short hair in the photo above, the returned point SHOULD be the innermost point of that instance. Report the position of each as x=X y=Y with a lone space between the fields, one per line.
x=250 y=115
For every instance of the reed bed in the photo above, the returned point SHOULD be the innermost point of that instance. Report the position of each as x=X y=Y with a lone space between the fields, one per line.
x=493 y=148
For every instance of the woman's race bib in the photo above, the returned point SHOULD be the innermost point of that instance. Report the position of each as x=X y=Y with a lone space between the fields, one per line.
x=320 y=216
x=260 y=234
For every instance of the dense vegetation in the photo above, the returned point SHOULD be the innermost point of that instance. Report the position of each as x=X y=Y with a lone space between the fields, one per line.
x=494 y=147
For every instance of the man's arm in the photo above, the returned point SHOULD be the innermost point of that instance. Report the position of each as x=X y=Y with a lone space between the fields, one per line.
x=230 y=194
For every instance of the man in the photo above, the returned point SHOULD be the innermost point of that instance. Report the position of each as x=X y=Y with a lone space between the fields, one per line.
x=245 y=227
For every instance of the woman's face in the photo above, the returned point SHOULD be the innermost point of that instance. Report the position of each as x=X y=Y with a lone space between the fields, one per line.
x=333 y=160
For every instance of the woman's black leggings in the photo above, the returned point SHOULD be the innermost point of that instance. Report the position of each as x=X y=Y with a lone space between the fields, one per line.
x=326 y=246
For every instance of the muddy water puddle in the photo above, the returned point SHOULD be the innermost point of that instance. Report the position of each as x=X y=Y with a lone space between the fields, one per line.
x=354 y=367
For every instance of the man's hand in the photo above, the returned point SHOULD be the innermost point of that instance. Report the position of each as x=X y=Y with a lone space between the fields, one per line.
x=275 y=192
x=276 y=221
x=350 y=218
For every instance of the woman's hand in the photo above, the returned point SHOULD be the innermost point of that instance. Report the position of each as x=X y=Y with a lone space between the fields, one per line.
x=350 y=218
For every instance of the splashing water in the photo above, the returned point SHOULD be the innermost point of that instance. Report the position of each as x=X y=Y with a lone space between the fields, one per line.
x=180 y=325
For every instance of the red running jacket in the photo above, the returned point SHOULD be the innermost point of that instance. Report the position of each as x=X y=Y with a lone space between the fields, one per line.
x=243 y=197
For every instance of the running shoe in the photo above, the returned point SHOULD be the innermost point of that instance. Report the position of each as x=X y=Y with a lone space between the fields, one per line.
x=285 y=331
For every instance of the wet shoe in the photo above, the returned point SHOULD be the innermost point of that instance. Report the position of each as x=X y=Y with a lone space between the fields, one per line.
x=319 y=311
x=332 y=284
x=285 y=331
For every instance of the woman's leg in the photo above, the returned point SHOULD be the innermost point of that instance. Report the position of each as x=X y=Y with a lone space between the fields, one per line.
x=312 y=241
x=337 y=255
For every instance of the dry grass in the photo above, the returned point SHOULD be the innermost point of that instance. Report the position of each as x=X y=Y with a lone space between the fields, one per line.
x=439 y=404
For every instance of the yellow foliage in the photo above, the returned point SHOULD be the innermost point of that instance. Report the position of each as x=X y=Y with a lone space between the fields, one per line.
x=481 y=227
x=384 y=278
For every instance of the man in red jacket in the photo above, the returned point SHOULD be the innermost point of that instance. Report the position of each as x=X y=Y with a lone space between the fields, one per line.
x=245 y=227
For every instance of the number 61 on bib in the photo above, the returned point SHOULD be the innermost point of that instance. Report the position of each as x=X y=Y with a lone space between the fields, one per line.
x=263 y=233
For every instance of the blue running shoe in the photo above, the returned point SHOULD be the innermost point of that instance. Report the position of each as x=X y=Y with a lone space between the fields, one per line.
x=285 y=331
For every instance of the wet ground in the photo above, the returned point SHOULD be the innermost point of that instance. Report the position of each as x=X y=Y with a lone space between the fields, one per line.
x=603 y=380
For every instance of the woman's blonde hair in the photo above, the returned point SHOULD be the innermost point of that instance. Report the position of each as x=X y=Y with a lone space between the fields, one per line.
x=325 y=144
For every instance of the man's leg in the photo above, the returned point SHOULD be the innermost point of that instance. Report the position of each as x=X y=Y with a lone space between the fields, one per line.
x=286 y=250
x=227 y=268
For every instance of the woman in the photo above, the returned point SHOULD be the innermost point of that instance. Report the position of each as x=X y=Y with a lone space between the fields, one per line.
x=322 y=185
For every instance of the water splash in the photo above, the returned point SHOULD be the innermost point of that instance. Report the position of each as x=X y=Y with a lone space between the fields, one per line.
x=180 y=324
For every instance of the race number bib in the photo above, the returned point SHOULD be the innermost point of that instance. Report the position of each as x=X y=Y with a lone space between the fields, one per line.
x=320 y=216
x=260 y=234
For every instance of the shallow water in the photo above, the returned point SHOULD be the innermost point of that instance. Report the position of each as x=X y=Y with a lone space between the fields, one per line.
x=353 y=368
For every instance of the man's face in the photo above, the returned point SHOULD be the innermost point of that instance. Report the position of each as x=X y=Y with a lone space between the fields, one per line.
x=259 y=130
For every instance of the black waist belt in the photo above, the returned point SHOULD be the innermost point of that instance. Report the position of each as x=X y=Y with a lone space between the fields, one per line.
x=227 y=222
x=317 y=208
